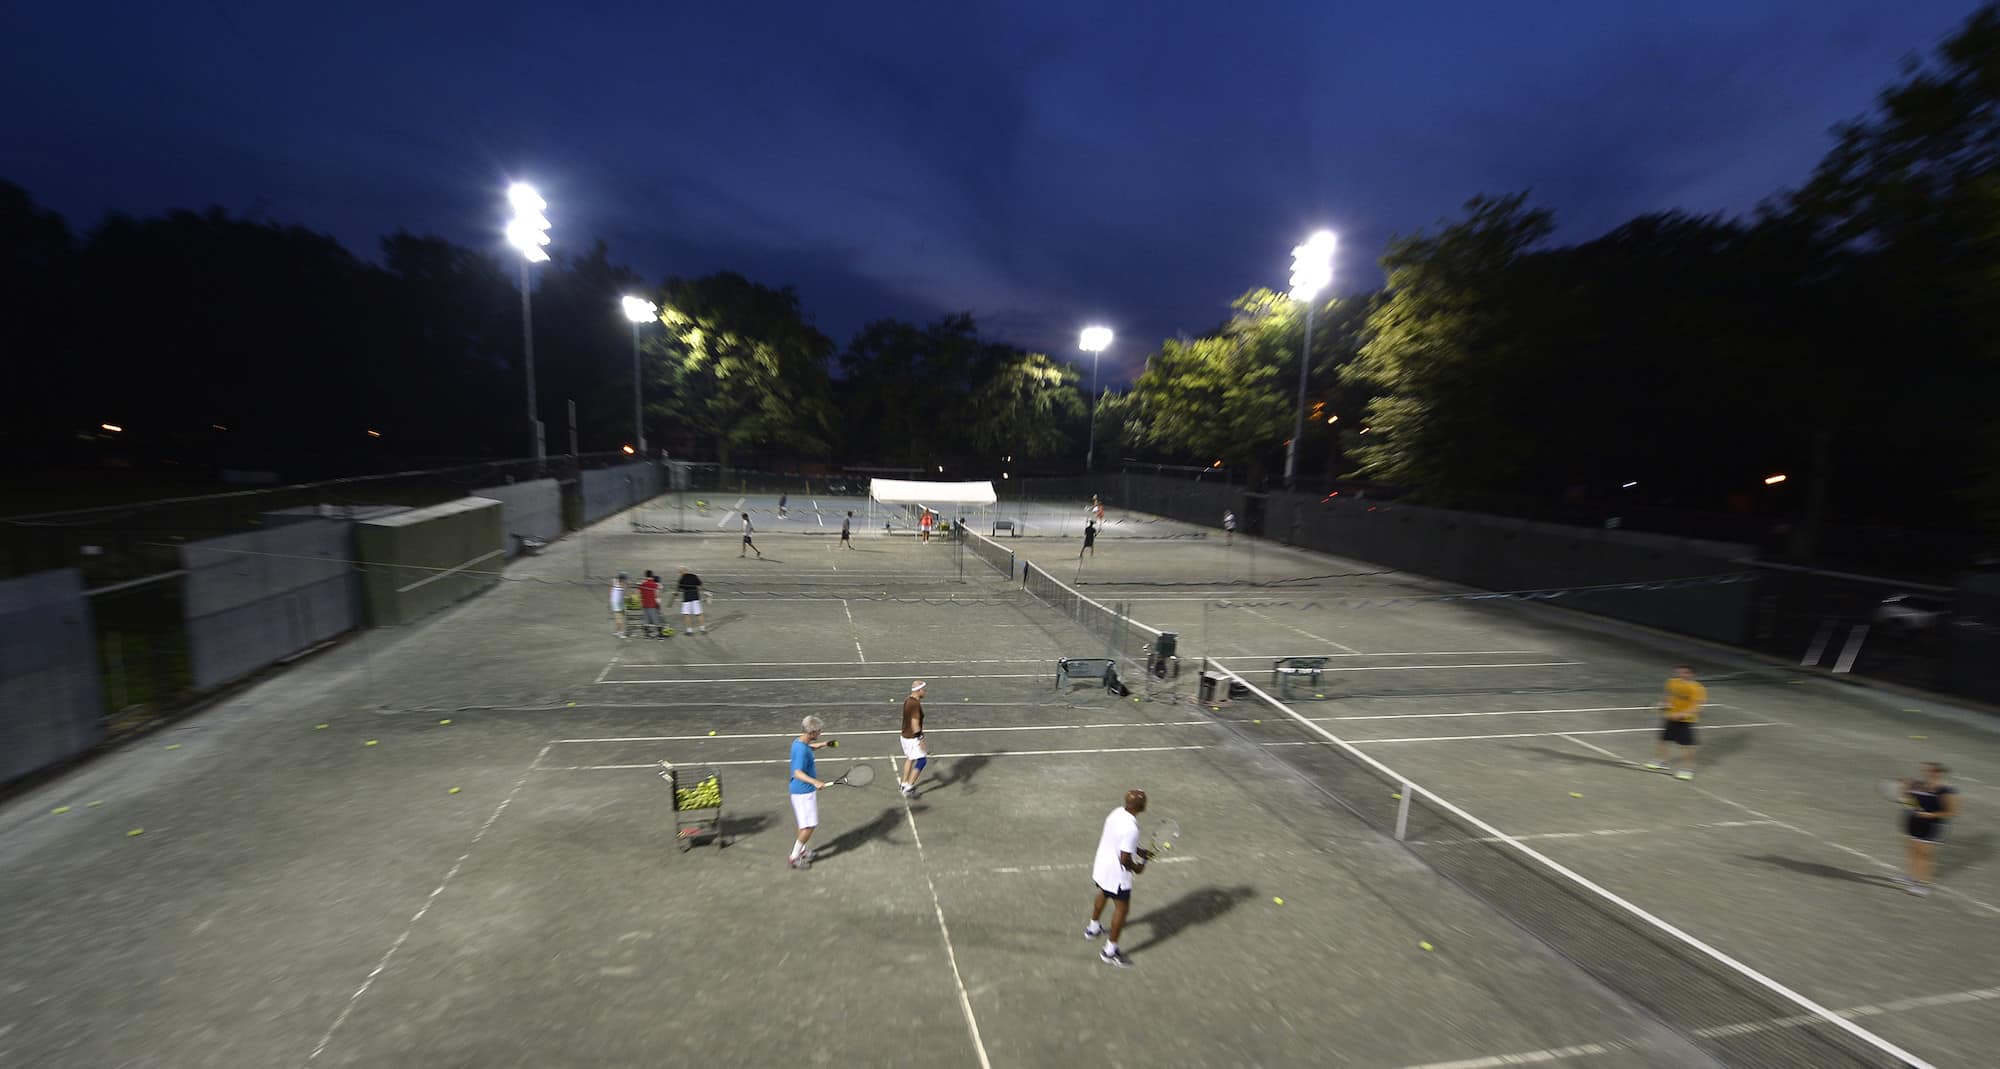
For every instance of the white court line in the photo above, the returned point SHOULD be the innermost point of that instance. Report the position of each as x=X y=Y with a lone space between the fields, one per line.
x=1435 y=667
x=1497 y=712
x=899 y=731
x=1302 y=631
x=856 y=630
x=815 y=679
x=428 y=902
x=816 y=515
x=1788 y=826
x=608 y=666
x=1553 y=1054
x=834 y=664
x=1533 y=734
x=935 y=757
x=1011 y=870
x=951 y=956
x=1412 y=653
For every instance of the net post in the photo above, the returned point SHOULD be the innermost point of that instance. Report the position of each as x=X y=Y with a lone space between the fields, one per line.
x=1403 y=811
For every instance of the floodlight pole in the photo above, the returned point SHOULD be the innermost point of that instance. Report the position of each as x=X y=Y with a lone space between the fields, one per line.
x=1090 y=451
x=528 y=348
x=638 y=406
x=1299 y=421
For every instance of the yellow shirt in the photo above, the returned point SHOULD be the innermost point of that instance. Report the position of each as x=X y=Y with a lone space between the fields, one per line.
x=1684 y=699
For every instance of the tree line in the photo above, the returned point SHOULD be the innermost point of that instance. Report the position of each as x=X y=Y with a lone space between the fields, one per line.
x=1843 y=335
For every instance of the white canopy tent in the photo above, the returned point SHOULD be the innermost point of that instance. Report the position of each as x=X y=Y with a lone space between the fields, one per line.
x=972 y=502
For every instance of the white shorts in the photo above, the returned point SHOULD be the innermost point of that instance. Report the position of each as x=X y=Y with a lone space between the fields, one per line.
x=617 y=601
x=915 y=748
x=805 y=807
x=691 y=608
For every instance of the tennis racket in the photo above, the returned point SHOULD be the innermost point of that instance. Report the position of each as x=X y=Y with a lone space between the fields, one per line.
x=1166 y=839
x=1896 y=791
x=856 y=776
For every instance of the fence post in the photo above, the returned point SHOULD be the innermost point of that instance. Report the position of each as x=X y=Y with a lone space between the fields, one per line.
x=1403 y=812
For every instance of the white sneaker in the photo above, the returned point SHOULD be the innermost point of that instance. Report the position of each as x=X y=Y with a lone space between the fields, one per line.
x=1093 y=930
x=1919 y=889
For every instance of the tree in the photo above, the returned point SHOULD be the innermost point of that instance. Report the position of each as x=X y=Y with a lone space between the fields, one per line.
x=1023 y=407
x=907 y=393
x=742 y=366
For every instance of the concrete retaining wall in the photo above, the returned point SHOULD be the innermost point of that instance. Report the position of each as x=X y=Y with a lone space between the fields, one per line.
x=417 y=562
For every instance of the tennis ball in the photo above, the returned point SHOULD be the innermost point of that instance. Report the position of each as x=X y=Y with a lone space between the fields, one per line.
x=1279 y=901
x=370 y=742
x=1256 y=721
x=173 y=746
x=711 y=733
x=571 y=705
x=444 y=722
x=1425 y=945
x=1392 y=794
x=833 y=744
x=135 y=831
x=454 y=790
x=93 y=805
x=319 y=727
x=59 y=810
x=1575 y=794
x=1319 y=695
x=1920 y=736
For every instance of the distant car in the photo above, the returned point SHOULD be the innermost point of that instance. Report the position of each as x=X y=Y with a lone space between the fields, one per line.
x=1906 y=614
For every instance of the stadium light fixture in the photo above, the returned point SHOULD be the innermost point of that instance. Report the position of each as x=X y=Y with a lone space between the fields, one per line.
x=1773 y=480
x=639 y=310
x=529 y=232
x=627 y=449
x=1312 y=271
x=1094 y=341
x=112 y=427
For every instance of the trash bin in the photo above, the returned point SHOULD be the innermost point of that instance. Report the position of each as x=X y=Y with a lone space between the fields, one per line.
x=1214 y=688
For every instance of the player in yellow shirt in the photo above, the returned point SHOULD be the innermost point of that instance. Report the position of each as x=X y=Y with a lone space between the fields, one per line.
x=1682 y=707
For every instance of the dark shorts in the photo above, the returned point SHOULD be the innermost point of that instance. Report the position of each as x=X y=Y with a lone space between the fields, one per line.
x=1678 y=732
x=1116 y=896
x=746 y=540
x=1928 y=831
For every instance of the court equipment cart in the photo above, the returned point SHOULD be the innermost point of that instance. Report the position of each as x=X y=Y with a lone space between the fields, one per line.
x=697 y=797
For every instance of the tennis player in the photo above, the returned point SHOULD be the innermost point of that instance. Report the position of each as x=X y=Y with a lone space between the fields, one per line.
x=749 y=545
x=1089 y=539
x=1681 y=706
x=689 y=587
x=916 y=751
x=1118 y=860
x=924 y=526
x=649 y=603
x=846 y=530
x=618 y=584
x=1229 y=528
x=805 y=786
x=1936 y=804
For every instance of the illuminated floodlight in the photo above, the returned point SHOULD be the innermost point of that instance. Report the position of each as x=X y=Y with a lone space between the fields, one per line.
x=112 y=427
x=1312 y=266
x=640 y=310
x=1095 y=339
x=529 y=229
x=1773 y=480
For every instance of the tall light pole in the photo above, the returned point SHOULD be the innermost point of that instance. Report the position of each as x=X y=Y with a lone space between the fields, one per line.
x=1094 y=341
x=1312 y=271
x=528 y=232
x=638 y=310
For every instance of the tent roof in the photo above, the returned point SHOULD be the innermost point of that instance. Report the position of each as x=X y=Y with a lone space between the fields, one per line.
x=907 y=492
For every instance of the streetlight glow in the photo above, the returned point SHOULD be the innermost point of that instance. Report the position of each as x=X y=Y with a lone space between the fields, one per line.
x=1312 y=271
x=627 y=449
x=640 y=310
x=528 y=231
x=524 y=198
x=112 y=427
x=1093 y=341
x=1773 y=480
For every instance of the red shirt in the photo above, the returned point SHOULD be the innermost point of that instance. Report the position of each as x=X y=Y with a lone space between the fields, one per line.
x=649 y=593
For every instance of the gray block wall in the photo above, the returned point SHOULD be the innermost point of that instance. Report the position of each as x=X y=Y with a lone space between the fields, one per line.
x=253 y=599
x=51 y=693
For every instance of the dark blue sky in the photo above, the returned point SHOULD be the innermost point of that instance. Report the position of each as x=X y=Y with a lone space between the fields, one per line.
x=1040 y=164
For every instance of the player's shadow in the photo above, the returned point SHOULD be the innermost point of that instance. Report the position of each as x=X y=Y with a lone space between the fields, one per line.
x=1574 y=757
x=734 y=828
x=1823 y=871
x=1716 y=746
x=1961 y=852
x=958 y=772
x=1195 y=907
x=855 y=838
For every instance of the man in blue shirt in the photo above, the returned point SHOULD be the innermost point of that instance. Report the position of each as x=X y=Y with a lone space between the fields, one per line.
x=805 y=786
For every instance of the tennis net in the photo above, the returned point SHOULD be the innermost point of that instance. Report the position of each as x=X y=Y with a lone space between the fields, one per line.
x=1738 y=1015
x=986 y=549
x=1126 y=637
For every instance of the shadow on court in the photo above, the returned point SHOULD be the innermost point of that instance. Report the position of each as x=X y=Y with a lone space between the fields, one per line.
x=1719 y=746
x=1195 y=907
x=735 y=828
x=1576 y=758
x=1960 y=852
x=1823 y=871
x=855 y=838
x=959 y=772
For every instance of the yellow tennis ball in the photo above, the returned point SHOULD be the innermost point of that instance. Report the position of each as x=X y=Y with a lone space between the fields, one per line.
x=1393 y=794
x=1920 y=737
x=135 y=831
x=1574 y=794
x=571 y=705
x=93 y=805
x=1256 y=721
x=60 y=809
x=454 y=790
x=173 y=746
x=444 y=722
x=370 y=742
x=1425 y=945
x=1279 y=901
x=711 y=733
x=319 y=727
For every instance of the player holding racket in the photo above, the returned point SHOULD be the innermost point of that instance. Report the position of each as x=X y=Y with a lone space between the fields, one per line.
x=1933 y=803
x=1681 y=707
x=916 y=751
x=1118 y=860
x=805 y=786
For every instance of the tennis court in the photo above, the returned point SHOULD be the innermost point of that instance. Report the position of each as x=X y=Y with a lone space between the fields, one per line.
x=472 y=861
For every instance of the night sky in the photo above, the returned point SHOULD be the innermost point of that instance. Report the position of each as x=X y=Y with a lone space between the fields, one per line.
x=1039 y=164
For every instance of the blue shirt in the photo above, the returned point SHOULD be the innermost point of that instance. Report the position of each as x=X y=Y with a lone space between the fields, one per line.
x=802 y=761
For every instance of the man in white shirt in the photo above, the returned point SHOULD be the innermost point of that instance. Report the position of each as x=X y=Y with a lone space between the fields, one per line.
x=1118 y=860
